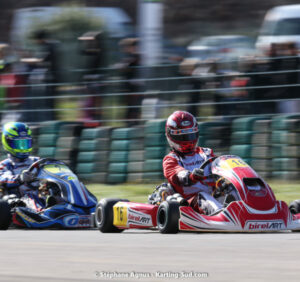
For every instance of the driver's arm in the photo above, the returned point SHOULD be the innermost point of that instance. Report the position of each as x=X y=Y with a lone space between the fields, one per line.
x=7 y=178
x=178 y=176
x=171 y=170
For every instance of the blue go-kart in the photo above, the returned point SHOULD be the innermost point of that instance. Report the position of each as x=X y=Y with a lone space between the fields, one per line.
x=59 y=200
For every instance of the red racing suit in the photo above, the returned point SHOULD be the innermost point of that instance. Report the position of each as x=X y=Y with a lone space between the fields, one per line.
x=174 y=163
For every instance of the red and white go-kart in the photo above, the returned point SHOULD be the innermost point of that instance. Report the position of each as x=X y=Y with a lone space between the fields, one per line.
x=255 y=208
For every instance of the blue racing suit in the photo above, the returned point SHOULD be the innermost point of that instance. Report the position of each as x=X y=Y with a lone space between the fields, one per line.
x=10 y=170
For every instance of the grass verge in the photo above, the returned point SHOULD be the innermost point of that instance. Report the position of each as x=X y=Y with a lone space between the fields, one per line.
x=139 y=192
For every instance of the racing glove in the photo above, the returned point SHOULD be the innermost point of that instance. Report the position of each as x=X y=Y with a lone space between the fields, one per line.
x=14 y=201
x=26 y=176
x=197 y=175
x=187 y=178
x=184 y=177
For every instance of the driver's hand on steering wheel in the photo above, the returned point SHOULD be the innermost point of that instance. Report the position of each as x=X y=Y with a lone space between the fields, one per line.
x=197 y=175
x=26 y=176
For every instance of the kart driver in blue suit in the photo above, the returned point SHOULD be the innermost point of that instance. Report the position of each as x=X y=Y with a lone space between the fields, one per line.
x=20 y=184
x=17 y=142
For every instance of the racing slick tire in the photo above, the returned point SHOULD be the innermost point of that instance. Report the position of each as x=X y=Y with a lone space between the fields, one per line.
x=295 y=207
x=168 y=217
x=5 y=215
x=104 y=216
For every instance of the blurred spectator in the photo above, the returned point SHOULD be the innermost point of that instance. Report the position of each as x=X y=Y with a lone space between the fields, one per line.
x=198 y=74
x=261 y=66
x=3 y=55
x=45 y=73
x=277 y=62
x=48 y=55
x=130 y=72
x=287 y=60
x=282 y=57
x=224 y=93
x=232 y=83
x=93 y=50
x=186 y=69
x=3 y=49
x=10 y=89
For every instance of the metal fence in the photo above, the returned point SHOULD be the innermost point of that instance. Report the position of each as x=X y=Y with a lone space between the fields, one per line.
x=110 y=95
x=250 y=108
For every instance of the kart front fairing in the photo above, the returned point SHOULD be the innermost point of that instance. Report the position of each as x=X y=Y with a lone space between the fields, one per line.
x=252 y=189
x=256 y=209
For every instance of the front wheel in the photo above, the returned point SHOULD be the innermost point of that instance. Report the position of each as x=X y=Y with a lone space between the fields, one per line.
x=5 y=215
x=295 y=207
x=104 y=216
x=168 y=217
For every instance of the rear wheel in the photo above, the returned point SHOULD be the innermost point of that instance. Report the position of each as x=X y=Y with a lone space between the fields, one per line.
x=295 y=207
x=168 y=217
x=5 y=215
x=104 y=216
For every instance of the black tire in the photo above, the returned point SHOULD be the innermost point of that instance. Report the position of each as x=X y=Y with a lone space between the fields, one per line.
x=5 y=215
x=295 y=207
x=168 y=217
x=104 y=217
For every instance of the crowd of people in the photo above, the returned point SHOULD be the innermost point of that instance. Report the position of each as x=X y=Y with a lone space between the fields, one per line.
x=264 y=84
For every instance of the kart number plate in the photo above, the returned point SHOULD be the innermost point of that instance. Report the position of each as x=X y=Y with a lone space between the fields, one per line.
x=120 y=214
x=54 y=168
x=233 y=163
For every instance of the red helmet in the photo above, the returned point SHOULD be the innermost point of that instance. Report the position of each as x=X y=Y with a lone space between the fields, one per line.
x=182 y=132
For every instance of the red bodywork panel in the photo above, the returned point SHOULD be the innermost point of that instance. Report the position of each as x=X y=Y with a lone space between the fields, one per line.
x=236 y=171
x=236 y=215
x=135 y=215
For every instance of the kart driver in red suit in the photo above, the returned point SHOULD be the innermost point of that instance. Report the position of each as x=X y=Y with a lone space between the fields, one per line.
x=181 y=165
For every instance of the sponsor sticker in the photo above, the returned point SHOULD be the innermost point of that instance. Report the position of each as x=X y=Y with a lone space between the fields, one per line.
x=139 y=218
x=77 y=221
x=71 y=220
x=264 y=225
x=85 y=221
x=24 y=216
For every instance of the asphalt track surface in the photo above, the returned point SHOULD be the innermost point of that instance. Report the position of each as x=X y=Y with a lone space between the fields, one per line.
x=82 y=255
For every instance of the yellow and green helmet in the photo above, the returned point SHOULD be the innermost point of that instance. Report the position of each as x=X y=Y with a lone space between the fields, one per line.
x=16 y=139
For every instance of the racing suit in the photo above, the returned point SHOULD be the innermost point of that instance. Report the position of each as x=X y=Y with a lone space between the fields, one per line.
x=176 y=167
x=10 y=170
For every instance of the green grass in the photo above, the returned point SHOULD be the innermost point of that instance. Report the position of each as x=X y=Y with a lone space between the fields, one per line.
x=139 y=192
x=132 y=192
x=286 y=191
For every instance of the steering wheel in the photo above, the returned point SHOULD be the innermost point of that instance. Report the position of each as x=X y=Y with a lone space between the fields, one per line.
x=204 y=165
x=207 y=162
x=37 y=165
x=220 y=187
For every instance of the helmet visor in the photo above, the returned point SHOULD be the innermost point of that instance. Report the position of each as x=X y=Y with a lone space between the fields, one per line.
x=20 y=143
x=190 y=134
